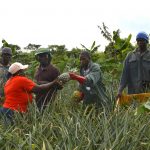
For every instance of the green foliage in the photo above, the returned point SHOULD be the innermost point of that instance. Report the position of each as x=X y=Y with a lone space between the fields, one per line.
x=63 y=59
x=118 y=48
x=57 y=49
x=104 y=31
x=115 y=52
x=26 y=58
x=92 y=49
x=12 y=46
x=65 y=125
x=74 y=53
x=143 y=108
x=32 y=46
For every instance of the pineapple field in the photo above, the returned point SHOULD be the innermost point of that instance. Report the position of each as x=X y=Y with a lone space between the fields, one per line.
x=65 y=125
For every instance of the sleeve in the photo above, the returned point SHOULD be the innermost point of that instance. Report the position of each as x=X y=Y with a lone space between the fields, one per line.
x=94 y=75
x=27 y=84
x=124 y=76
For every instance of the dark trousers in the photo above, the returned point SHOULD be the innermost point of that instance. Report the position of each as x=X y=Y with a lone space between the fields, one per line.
x=7 y=115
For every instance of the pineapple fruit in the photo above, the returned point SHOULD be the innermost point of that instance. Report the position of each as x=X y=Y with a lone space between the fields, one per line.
x=64 y=77
x=77 y=96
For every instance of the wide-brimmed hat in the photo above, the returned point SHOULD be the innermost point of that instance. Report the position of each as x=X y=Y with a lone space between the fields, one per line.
x=16 y=67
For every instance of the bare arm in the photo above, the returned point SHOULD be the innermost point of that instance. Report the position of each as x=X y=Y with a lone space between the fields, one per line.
x=42 y=82
x=45 y=86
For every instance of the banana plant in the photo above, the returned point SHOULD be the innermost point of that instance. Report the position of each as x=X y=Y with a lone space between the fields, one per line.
x=92 y=49
x=117 y=46
x=12 y=46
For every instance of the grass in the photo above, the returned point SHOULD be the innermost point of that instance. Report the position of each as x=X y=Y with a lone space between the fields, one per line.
x=66 y=126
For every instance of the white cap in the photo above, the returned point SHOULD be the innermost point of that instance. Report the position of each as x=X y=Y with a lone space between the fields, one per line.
x=16 y=67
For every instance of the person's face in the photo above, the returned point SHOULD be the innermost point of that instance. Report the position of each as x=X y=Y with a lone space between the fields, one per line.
x=84 y=61
x=141 y=43
x=6 y=58
x=43 y=59
x=20 y=72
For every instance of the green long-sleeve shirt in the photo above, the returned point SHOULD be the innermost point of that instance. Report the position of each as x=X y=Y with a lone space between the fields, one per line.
x=93 y=88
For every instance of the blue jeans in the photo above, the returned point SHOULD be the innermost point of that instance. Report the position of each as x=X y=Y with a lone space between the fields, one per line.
x=7 y=115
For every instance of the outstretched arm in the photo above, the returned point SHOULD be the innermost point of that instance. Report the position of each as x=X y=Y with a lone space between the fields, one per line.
x=65 y=77
x=78 y=78
x=38 y=88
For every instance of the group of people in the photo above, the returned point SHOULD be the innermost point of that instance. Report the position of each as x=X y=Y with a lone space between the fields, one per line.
x=17 y=89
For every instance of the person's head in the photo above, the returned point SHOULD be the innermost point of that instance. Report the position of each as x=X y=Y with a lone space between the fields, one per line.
x=85 y=58
x=142 y=39
x=17 y=68
x=6 y=55
x=43 y=55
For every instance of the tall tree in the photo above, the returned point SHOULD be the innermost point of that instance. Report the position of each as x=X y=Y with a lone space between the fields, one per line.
x=32 y=46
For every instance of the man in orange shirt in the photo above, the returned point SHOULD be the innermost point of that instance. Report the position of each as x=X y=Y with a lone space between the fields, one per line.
x=18 y=90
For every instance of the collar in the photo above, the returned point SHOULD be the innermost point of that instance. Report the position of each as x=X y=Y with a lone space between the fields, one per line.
x=44 y=68
x=89 y=66
x=137 y=51
x=1 y=65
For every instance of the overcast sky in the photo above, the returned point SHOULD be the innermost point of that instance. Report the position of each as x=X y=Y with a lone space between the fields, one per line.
x=70 y=22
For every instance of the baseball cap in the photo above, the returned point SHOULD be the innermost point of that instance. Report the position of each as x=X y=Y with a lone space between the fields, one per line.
x=16 y=67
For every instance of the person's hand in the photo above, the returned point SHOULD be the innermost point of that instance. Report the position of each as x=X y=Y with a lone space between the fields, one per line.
x=117 y=101
x=118 y=96
x=60 y=85
x=72 y=75
x=55 y=82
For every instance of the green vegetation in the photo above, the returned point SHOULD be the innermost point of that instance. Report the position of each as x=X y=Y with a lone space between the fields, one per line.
x=64 y=124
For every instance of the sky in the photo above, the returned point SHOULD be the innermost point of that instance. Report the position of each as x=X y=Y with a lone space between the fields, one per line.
x=70 y=22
